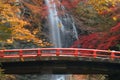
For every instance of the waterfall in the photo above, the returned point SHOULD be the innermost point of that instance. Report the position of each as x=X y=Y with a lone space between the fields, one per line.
x=62 y=29
x=53 y=22
x=74 y=29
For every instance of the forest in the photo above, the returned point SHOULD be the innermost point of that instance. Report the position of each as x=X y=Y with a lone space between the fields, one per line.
x=23 y=24
x=97 y=23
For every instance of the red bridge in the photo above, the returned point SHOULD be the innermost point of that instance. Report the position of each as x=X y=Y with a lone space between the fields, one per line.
x=60 y=61
x=63 y=52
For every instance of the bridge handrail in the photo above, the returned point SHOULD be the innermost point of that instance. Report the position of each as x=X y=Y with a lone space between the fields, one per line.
x=75 y=52
x=60 y=49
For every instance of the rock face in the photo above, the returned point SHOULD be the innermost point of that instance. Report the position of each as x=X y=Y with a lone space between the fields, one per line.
x=43 y=77
x=88 y=77
x=33 y=77
x=60 y=77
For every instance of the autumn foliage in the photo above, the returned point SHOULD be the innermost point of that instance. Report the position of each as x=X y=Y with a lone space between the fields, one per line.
x=29 y=16
x=100 y=40
x=109 y=35
x=22 y=24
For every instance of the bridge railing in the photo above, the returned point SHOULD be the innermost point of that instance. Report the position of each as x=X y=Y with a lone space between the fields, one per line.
x=73 y=52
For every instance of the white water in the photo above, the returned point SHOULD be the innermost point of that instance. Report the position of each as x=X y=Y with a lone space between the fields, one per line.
x=54 y=22
x=62 y=29
x=74 y=29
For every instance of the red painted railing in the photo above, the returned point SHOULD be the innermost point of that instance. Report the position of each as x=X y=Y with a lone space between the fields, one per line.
x=70 y=52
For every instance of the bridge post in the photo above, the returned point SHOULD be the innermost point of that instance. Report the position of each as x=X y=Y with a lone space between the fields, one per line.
x=39 y=52
x=76 y=53
x=1 y=53
x=112 y=55
x=21 y=53
x=57 y=52
x=94 y=54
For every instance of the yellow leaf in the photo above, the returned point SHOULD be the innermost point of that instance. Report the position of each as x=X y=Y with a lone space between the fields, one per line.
x=9 y=41
x=114 y=18
x=59 y=25
x=28 y=40
x=22 y=59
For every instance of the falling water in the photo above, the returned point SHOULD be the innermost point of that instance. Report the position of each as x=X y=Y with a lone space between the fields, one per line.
x=54 y=21
x=62 y=29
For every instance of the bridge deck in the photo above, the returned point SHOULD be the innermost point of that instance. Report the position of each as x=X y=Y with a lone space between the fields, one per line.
x=53 y=65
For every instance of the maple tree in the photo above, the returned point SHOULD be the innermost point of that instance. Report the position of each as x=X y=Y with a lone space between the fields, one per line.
x=99 y=18
x=103 y=25
x=16 y=25
x=101 y=40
